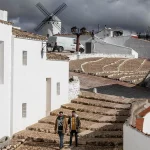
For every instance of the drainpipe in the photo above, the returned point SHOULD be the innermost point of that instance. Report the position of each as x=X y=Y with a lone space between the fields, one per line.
x=12 y=81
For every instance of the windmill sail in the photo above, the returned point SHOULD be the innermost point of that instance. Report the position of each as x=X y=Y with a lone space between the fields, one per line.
x=51 y=18
x=43 y=9
x=59 y=9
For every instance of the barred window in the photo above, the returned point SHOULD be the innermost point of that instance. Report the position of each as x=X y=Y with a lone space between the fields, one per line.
x=58 y=88
x=24 y=110
x=24 y=58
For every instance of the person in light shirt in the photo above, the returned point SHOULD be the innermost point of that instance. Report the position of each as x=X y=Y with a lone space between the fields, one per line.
x=74 y=126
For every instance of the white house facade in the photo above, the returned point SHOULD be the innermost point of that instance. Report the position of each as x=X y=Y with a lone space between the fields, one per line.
x=30 y=85
x=5 y=77
x=136 y=130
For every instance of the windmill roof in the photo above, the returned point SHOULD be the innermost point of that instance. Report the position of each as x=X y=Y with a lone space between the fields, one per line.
x=6 y=22
x=55 y=18
x=28 y=35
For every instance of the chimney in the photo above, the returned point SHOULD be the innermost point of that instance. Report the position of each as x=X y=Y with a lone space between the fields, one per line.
x=3 y=15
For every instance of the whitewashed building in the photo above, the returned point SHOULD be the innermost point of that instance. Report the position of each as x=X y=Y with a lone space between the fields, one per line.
x=136 y=130
x=30 y=85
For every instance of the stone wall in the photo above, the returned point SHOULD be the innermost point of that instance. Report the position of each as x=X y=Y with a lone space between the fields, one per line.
x=146 y=81
x=74 y=87
x=136 y=108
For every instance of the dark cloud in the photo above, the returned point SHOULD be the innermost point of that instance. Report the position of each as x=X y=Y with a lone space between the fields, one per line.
x=128 y=14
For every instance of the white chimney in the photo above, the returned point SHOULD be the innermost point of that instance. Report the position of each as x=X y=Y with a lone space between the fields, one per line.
x=3 y=15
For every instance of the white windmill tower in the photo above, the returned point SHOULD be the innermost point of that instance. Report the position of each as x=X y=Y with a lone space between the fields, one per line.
x=51 y=24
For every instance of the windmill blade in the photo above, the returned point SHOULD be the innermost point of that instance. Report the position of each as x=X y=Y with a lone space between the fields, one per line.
x=40 y=26
x=63 y=29
x=59 y=9
x=43 y=9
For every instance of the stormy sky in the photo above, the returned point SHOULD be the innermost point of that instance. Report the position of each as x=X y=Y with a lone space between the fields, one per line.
x=128 y=14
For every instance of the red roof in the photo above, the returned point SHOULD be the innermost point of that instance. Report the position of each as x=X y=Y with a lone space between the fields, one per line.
x=143 y=113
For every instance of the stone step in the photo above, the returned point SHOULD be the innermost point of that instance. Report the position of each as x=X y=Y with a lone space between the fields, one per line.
x=49 y=146
x=107 y=127
x=46 y=128
x=101 y=134
x=36 y=136
x=41 y=127
x=101 y=141
x=103 y=104
x=96 y=110
x=88 y=147
x=48 y=120
x=93 y=117
x=14 y=144
x=105 y=98
x=89 y=124
x=85 y=124
x=38 y=146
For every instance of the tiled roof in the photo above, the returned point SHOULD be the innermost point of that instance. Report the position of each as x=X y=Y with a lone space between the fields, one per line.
x=6 y=22
x=143 y=113
x=63 y=35
x=27 y=35
x=54 y=56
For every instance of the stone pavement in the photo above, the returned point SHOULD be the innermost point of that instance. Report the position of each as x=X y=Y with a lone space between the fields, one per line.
x=111 y=87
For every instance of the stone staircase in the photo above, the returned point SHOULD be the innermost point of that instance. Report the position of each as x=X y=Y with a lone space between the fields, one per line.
x=102 y=119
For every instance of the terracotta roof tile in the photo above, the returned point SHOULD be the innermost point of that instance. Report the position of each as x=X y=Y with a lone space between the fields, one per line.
x=143 y=113
x=139 y=123
x=53 y=56
x=6 y=22
x=27 y=35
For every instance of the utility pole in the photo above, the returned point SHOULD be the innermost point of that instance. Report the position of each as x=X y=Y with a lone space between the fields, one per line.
x=76 y=31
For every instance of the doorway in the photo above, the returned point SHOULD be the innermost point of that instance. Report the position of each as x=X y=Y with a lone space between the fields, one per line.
x=48 y=96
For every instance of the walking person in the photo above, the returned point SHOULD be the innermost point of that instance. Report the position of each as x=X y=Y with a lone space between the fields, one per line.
x=61 y=127
x=74 y=126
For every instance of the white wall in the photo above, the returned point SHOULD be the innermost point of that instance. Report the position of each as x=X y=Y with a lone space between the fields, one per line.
x=30 y=83
x=82 y=56
x=134 y=139
x=1 y=62
x=146 y=124
x=3 y=15
x=140 y=46
x=59 y=72
x=74 y=89
x=5 y=88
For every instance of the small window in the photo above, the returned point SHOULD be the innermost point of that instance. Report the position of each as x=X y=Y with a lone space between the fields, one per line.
x=24 y=110
x=58 y=88
x=24 y=58
x=48 y=35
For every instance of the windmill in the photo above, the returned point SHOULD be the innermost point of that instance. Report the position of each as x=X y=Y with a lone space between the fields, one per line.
x=51 y=24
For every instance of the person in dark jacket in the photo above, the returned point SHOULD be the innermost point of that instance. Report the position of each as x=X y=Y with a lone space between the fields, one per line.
x=61 y=127
x=74 y=126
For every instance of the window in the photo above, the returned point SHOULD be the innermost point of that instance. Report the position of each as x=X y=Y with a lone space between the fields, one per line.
x=48 y=35
x=58 y=88
x=24 y=58
x=24 y=110
x=1 y=62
